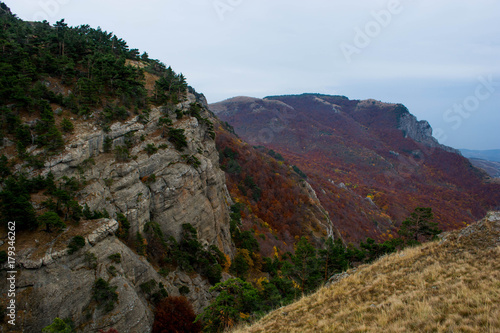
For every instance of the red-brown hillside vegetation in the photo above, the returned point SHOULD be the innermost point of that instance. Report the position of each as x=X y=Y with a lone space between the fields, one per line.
x=276 y=202
x=354 y=150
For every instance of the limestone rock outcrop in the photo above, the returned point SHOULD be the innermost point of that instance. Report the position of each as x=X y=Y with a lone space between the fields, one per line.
x=421 y=131
x=63 y=287
x=162 y=184
x=161 y=187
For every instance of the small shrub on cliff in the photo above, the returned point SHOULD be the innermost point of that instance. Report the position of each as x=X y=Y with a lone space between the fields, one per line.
x=177 y=137
x=175 y=314
x=191 y=160
x=67 y=126
x=151 y=149
x=116 y=257
x=58 y=326
x=140 y=244
x=104 y=294
x=95 y=214
x=195 y=110
x=164 y=121
x=184 y=290
x=112 y=270
x=148 y=287
x=161 y=294
x=91 y=260
x=122 y=154
x=124 y=226
x=76 y=244
x=51 y=221
x=149 y=179
x=107 y=145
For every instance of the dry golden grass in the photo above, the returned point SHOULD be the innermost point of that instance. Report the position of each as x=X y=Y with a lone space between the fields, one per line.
x=447 y=286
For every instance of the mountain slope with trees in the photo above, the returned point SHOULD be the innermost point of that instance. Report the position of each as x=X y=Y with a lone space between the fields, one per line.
x=136 y=208
x=370 y=163
x=443 y=286
x=273 y=199
x=109 y=168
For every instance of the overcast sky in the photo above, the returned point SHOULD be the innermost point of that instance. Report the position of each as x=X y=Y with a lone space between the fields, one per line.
x=441 y=58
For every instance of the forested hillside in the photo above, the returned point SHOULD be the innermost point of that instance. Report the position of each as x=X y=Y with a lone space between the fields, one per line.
x=370 y=163
x=110 y=172
x=273 y=198
x=55 y=77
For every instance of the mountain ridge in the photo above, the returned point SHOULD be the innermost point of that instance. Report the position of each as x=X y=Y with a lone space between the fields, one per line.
x=372 y=149
x=488 y=154
x=490 y=167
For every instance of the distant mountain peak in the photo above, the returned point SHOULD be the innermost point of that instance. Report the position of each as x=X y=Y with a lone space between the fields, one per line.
x=420 y=131
x=307 y=95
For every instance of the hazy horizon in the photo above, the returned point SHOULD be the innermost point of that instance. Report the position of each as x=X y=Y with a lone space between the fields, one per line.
x=438 y=59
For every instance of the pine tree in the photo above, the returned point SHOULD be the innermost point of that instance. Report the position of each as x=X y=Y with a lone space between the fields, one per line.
x=16 y=205
x=419 y=225
x=51 y=221
x=332 y=258
x=305 y=266
x=235 y=301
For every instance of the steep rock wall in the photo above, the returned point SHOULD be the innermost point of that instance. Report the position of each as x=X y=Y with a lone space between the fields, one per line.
x=61 y=285
x=421 y=131
x=180 y=193
x=165 y=187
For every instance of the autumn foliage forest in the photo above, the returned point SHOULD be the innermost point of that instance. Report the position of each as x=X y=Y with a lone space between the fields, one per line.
x=366 y=170
x=271 y=194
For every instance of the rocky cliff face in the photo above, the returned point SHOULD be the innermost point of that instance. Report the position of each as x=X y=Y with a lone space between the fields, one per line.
x=421 y=131
x=161 y=187
x=169 y=187
x=61 y=285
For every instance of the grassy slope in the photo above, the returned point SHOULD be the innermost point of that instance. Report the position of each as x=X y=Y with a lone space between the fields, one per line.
x=447 y=286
